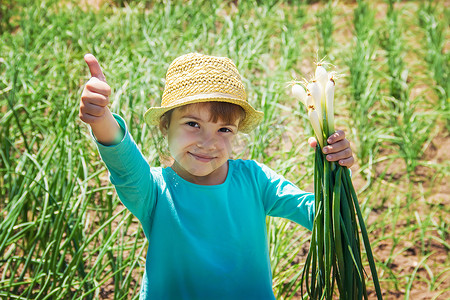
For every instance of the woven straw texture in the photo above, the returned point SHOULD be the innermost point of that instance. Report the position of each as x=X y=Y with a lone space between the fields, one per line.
x=195 y=78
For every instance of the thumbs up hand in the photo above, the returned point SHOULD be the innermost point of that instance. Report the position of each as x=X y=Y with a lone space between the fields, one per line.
x=94 y=104
x=95 y=96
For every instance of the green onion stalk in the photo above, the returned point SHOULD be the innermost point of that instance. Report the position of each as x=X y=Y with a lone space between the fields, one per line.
x=334 y=259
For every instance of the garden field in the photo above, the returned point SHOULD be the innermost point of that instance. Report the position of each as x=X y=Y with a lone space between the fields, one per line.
x=65 y=235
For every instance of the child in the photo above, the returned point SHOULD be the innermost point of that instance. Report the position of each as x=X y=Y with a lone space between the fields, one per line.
x=205 y=216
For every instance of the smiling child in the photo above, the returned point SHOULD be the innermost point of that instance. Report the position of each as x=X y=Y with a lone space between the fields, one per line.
x=205 y=215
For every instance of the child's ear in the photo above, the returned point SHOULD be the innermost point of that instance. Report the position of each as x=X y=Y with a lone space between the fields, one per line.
x=164 y=125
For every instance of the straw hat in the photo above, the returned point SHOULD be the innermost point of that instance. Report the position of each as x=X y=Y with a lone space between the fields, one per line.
x=195 y=78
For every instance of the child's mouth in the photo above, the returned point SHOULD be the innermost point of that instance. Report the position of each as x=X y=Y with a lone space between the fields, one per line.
x=202 y=157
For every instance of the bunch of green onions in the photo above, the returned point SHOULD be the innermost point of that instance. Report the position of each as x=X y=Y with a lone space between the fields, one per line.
x=334 y=257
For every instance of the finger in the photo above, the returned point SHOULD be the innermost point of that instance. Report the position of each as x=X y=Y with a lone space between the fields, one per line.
x=347 y=162
x=92 y=109
x=89 y=119
x=312 y=142
x=97 y=86
x=347 y=153
x=336 y=147
x=94 y=67
x=335 y=137
x=94 y=98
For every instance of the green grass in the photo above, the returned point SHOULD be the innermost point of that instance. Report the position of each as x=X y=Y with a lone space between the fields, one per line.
x=64 y=233
x=364 y=87
x=325 y=27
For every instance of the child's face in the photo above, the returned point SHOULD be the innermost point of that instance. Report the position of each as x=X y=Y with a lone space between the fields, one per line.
x=199 y=146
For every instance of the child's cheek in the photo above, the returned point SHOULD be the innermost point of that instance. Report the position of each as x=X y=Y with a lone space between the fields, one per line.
x=179 y=139
x=228 y=144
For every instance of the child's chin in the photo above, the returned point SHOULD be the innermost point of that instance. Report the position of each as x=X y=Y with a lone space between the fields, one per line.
x=201 y=172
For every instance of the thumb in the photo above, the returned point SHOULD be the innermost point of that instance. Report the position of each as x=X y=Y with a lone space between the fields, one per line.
x=312 y=142
x=94 y=67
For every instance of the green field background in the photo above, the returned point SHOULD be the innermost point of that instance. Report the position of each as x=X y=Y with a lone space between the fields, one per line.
x=65 y=235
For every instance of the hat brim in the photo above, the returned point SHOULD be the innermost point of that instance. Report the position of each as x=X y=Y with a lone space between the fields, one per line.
x=252 y=117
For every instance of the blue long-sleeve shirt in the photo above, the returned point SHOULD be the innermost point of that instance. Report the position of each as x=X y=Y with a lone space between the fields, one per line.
x=205 y=242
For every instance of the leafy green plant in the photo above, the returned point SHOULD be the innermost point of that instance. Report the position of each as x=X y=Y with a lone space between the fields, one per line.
x=364 y=89
x=411 y=127
x=436 y=57
x=392 y=43
x=325 y=28
x=63 y=232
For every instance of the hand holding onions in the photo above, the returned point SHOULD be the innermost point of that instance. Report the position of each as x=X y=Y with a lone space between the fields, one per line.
x=334 y=259
x=318 y=99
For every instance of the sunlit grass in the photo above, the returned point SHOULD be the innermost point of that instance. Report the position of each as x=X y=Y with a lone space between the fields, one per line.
x=63 y=232
x=325 y=27
x=365 y=88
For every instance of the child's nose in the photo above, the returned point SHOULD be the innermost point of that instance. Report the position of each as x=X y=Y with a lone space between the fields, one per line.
x=207 y=141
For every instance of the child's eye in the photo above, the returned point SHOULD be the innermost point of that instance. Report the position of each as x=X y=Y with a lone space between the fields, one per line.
x=192 y=124
x=225 y=130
